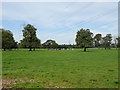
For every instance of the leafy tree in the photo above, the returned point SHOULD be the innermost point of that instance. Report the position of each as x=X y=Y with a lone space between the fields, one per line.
x=30 y=39
x=50 y=44
x=0 y=38
x=84 y=38
x=113 y=45
x=107 y=41
x=118 y=40
x=22 y=44
x=37 y=43
x=97 y=39
x=8 y=41
x=15 y=45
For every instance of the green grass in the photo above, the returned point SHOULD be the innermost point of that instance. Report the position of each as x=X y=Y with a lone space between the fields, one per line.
x=97 y=68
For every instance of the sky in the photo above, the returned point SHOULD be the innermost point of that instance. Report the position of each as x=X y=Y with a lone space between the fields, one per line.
x=60 y=0
x=60 y=21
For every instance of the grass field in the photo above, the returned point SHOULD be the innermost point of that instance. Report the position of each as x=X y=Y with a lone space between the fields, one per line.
x=97 y=68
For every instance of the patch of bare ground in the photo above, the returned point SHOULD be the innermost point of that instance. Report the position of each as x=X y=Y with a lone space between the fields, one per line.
x=6 y=82
x=18 y=80
x=59 y=87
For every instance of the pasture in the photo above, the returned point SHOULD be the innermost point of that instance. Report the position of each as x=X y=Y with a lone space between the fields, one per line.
x=96 y=68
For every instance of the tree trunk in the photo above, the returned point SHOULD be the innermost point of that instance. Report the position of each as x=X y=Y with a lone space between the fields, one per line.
x=30 y=49
x=10 y=49
x=33 y=49
x=84 y=49
x=4 y=49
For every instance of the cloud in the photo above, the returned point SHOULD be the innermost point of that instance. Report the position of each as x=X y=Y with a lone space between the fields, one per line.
x=57 y=20
x=61 y=1
x=50 y=13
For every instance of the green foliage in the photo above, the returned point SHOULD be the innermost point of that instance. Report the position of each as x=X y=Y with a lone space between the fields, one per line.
x=107 y=41
x=0 y=38
x=30 y=39
x=50 y=44
x=97 y=39
x=8 y=41
x=84 y=38
x=118 y=40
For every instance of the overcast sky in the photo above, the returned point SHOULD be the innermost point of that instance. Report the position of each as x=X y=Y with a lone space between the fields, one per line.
x=60 y=20
x=60 y=0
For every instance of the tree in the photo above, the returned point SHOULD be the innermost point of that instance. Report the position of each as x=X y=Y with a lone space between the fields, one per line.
x=30 y=39
x=118 y=42
x=15 y=45
x=8 y=41
x=36 y=43
x=50 y=44
x=115 y=42
x=97 y=39
x=84 y=38
x=113 y=45
x=107 y=41
x=0 y=38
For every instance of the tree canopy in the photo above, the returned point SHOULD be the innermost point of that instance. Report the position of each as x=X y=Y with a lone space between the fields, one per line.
x=8 y=41
x=107 y=41
x=0 y=38
x=118 y=40
x=84 y=38
x=50 y=44
x=30 y=39
x=97 y=39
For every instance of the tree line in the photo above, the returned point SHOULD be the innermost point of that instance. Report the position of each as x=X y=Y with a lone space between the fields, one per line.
x=84 y=39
